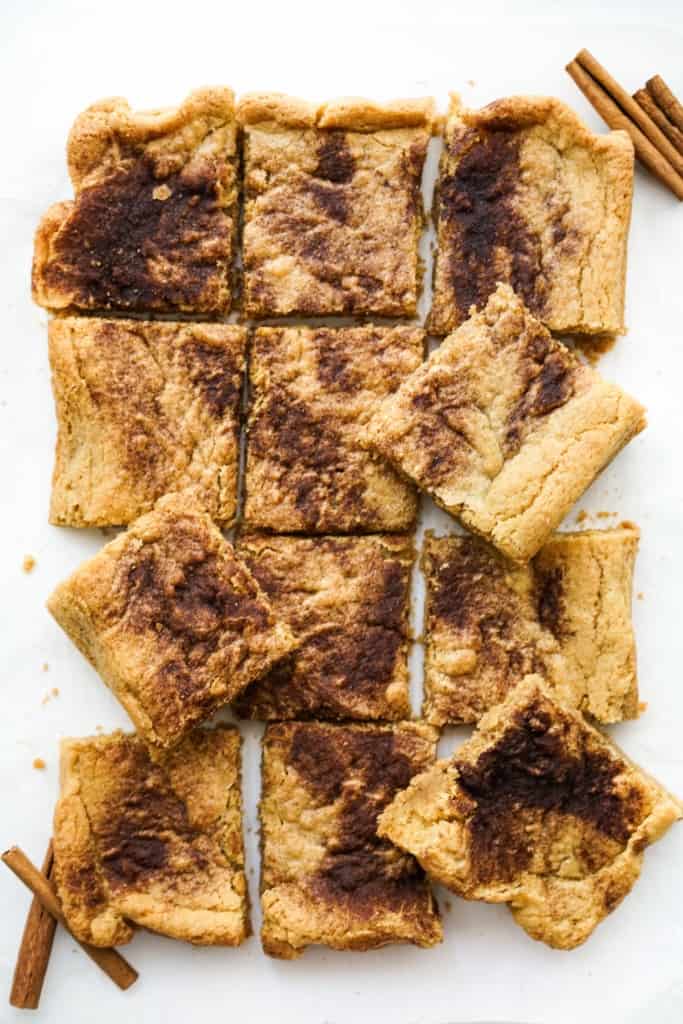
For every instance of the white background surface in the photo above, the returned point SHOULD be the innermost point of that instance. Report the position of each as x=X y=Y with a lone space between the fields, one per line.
x=55 y=59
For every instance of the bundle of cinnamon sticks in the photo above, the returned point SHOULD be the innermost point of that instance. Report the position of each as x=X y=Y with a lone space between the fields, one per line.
x=653 y=117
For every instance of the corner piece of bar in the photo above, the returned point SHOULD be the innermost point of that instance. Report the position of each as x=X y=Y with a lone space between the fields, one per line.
x=538 y=810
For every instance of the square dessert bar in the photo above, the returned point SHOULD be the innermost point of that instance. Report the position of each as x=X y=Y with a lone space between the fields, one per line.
x=347 y=600
x=504 y=427
x=326 y=878
x=171 y=619
x=565 y=615
x=153 y=224
x=529 y=196
x=333 y=210
x=537 y=810
x=155 y=843
x=312 y=392
x=144 y=409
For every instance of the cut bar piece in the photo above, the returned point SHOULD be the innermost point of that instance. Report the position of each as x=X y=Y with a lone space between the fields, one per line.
x=152 y=225
x=347 y=600
x=155 y=843
x=538 y=810
x=333 y=210
x=144 y=409
x=504 y=427
x=312 y=392
x=326 y=878
x=528 y=195
x=174 y=623
x=565 y=615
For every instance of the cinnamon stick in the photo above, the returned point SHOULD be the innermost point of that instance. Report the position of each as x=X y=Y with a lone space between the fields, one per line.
x=673 y=134
x=664 y=97
x=613 y=116
x=631 y=108
x=34 y=951
x=111 y=962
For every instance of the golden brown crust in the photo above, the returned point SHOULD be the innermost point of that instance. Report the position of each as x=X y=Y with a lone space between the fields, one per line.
x=144 y=409
x=156 y=844
x=332 y=214
x=352 y=113
x=565 y=615
x=326 y=878
x=171 y=619
x=528 y=195
x=152 y=226
x=312 y=392
x=504 y=427
x=537 y=810
x=347 y=600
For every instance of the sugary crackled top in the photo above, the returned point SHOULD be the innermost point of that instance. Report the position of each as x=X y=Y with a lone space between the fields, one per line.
x=539 y=810
x=144 y=409
x=503 y=426
x=565 y=615
x=313 y=390
x=333 y=209
x=174 y=622
x=528 y=195
x=152 y=226
x=152 y=843
x=326 y=877
x=347 y=600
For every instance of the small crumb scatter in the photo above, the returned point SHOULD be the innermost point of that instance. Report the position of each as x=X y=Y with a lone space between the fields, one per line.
x=45 y=666
x=642 y=707
x=99 y=728
x=582 y=516
x=39 y=764
x=605 y=515
x=640 y=595
x=470 y=81
x=55 y=691
x=29 y=563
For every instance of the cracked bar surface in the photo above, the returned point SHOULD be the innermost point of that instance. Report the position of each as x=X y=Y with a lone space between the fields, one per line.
x=172 y=620
x=152 y=843
x=504 y=427
x=529 y=196
x=566 y=615
x=144 y=409
x=333 y=209
x=538 y=810
x=347 y=600
x=312 y=392
x=326 y=878
x=152 y=225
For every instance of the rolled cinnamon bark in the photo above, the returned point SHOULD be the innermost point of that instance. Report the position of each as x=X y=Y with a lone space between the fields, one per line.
x=613 y=116
x=111 y=962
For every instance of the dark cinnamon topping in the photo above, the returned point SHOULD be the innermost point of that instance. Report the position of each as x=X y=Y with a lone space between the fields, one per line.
x=365 y=769
x=122 y=248
x=541 y=767
x=491 y=242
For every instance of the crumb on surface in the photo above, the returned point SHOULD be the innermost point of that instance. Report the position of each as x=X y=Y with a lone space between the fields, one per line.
x=39 y=764
x=45 y=666
x=29 y=563
x=642 y=707
x=582 y=516
x=471 y=82
x=605 y=515
x=640 y=595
